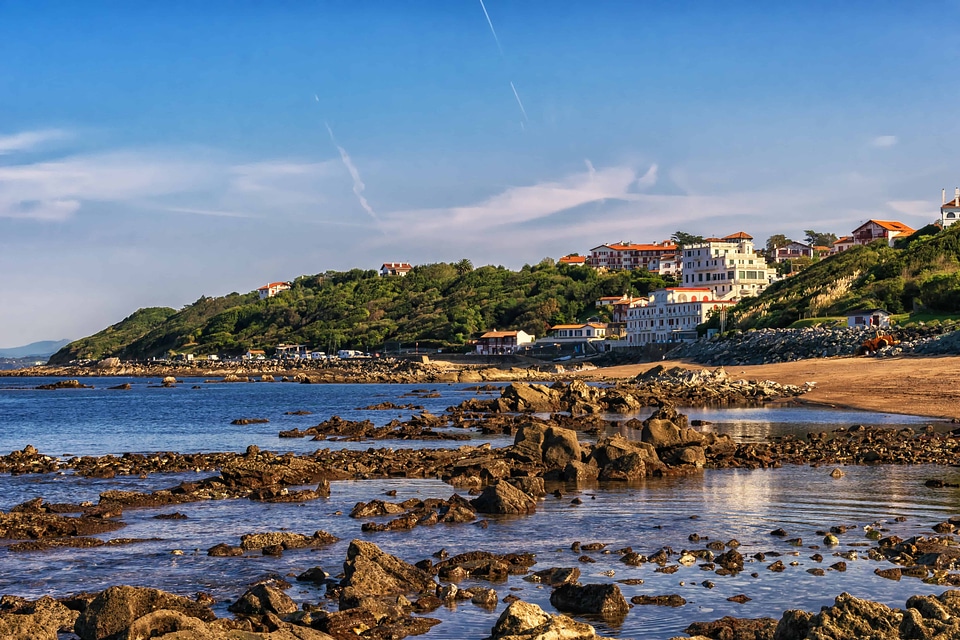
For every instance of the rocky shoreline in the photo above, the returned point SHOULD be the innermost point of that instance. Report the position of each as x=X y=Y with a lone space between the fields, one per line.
x=380 y=370
x=560 y=445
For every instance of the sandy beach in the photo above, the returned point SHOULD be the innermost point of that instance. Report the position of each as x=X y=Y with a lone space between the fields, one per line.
x=915 y=386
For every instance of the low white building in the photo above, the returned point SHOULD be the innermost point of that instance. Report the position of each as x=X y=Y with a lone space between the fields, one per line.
x=868 y=318
x=395 y=268
x=730 y=267
x=586 y=332
x=672 y=315
x=272 y=289
x=495 y=343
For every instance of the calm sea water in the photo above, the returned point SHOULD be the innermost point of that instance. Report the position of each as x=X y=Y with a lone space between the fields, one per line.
x=726 y=504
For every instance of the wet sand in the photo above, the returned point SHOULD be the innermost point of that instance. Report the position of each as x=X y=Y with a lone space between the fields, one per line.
x=928 y=386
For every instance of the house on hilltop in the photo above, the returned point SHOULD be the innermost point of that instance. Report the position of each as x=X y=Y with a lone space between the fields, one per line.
x=395 y=268
x=888 y=230
x=950 y=211
x=272 y=289
x=578 y=261
x=842 y=244
x=793 y=251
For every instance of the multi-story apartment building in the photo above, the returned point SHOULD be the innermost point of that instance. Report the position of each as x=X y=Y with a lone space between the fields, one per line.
x=729 y=267
x=626 y=255
x=671 y=315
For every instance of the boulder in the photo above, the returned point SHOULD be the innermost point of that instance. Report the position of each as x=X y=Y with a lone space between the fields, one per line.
x=525 y=621
x=627 y=467
x=849 y=617
x=528 y=443
x=579 y=472
x=112 y=612
x=530 y=485
x=555 y=576
x=503 y=497
x=369 y=571
x=521 y=396
x=560 y=446
x=262 y=599
x=602 y=599
x=42 y=620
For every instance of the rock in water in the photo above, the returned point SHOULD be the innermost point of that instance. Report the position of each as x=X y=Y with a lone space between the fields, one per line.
x=525 y=621
x=603 y=599
x=503 y=497
x=369 y=571
x=112 y=612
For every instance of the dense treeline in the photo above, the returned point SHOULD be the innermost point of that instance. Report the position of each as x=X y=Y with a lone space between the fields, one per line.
x=921 y=272
x=436 y=305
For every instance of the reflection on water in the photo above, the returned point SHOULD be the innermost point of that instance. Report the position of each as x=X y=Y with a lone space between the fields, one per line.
x=719 y=504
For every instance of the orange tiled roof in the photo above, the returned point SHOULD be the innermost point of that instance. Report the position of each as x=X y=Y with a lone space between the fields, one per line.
x=499 y=334
x=273 y=285
x=739 y=235
x=890 y=225
x=952 y=204
x=573 y=260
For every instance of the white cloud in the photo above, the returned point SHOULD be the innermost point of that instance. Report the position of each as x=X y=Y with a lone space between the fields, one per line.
x=196 y=181
x=884 y=141
x=27 y=140
x=523 y=204
x=924 y=208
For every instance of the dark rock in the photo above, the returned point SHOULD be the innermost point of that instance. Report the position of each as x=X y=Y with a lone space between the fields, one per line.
x=603 y=599
x=112 y=612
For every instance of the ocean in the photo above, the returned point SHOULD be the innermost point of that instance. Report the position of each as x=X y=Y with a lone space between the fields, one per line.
x=196 y=416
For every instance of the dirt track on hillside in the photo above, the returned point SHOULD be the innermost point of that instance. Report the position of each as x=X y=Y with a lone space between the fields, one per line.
x=918 y=386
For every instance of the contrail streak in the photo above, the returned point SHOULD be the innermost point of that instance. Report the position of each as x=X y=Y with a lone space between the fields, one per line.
x=492 y=30
x=358 y=185
x=519 y=102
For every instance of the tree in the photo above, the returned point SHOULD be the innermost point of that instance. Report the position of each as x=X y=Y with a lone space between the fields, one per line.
x=816 y=239
x=684 y=239
x=464 y=266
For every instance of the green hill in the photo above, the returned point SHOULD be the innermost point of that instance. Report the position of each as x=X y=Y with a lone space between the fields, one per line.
x=437 y=305
x=921 y=273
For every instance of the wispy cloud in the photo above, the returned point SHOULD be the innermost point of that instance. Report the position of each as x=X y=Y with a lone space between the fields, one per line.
x=523 y=204
x=358 y=186
x=27 y=140
x=884 y=141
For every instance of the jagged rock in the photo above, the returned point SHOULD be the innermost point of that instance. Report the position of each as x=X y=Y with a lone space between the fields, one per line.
x=262 y=599
x=560 y=446
x=555 y=576
x=369 y=571
x=849 y=617
x=603 y=599
x=525 y=621
x=112 y=612
x=503 y=497
x=41 y=620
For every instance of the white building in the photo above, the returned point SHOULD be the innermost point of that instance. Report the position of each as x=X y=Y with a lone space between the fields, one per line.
x=272 y=289
x=868 y=318
x=672 y=315
x=502 y=342
x=729 y=267
x=586 y=332
x=888 y=230
x=395 y=268
x=626 y=255
x=950 y=211
x=793 y=251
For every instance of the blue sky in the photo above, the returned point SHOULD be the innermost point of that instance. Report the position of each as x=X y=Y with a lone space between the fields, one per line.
x=151 y=153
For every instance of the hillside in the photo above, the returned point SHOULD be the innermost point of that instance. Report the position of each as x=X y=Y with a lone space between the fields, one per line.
x=436 y=305
x=922 y=273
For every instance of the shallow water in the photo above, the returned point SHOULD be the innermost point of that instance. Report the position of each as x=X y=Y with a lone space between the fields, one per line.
x=718 y=504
